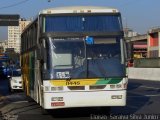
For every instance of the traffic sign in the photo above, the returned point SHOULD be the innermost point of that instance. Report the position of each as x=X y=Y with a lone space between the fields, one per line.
x=9 y=20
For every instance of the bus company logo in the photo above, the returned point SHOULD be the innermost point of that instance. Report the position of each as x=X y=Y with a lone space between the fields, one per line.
x=72 y=83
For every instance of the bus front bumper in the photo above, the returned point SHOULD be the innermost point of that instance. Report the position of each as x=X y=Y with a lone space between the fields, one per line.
x=55 y=100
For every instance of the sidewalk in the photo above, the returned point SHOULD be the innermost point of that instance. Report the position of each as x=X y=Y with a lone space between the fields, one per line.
x=152 y=74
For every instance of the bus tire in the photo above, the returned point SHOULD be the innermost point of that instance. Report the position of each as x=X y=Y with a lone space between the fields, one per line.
x=44 y=111
x=102 y=110
x=11 y=90
x=106 y=110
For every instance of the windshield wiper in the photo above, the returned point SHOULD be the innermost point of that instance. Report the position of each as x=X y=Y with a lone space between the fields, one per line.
x=68 y=79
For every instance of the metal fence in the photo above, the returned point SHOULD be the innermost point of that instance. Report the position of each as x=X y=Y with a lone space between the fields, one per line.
x=147 y=63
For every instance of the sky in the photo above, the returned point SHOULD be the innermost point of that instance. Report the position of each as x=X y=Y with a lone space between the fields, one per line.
x=140 y=15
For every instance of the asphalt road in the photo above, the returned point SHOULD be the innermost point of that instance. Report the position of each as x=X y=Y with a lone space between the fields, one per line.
x=142 y=101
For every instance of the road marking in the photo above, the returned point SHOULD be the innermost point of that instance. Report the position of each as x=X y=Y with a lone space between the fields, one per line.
x=150 y=87
x=156 y=95
x=134 y=107
x=153 y=95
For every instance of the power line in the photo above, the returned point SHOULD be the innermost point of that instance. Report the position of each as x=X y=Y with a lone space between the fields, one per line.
x=15 y=4
x=49 y=0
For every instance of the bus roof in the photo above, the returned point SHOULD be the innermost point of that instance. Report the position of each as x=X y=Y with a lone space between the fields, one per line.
x=74 y=9
x=79 y=9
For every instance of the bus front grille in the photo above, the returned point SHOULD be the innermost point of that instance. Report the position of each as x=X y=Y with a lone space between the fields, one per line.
x=76 y=87
x=95 y=87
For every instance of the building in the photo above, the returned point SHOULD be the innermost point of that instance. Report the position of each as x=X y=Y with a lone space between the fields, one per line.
x=154 y=43
x=139 y=46
x=14 y=35
x=3 y=46
x=129 y=33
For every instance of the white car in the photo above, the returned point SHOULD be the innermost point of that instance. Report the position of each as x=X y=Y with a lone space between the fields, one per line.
x=16 y=80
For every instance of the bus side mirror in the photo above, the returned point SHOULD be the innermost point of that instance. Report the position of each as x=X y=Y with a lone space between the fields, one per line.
x=43 y=51
x=44 y=54
x=38 y=52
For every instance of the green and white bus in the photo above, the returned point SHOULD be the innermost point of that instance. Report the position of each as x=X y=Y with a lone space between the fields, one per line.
x=75 y=57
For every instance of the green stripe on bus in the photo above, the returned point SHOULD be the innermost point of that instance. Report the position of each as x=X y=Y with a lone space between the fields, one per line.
x=109 y=81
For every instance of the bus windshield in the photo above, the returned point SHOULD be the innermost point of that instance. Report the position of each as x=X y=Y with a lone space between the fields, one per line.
x=69 y=54
x=75 y=59
x=104 y=60
x=16 y=73
x=67 y=59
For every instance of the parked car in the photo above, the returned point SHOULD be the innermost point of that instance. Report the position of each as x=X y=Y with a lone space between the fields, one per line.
x=15 y=80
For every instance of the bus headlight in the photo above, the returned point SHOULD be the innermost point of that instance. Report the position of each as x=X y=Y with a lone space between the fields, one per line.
x=47 y=88
x=112 y=86
x=53 y=88
x=118 y=86
x=59 y=88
